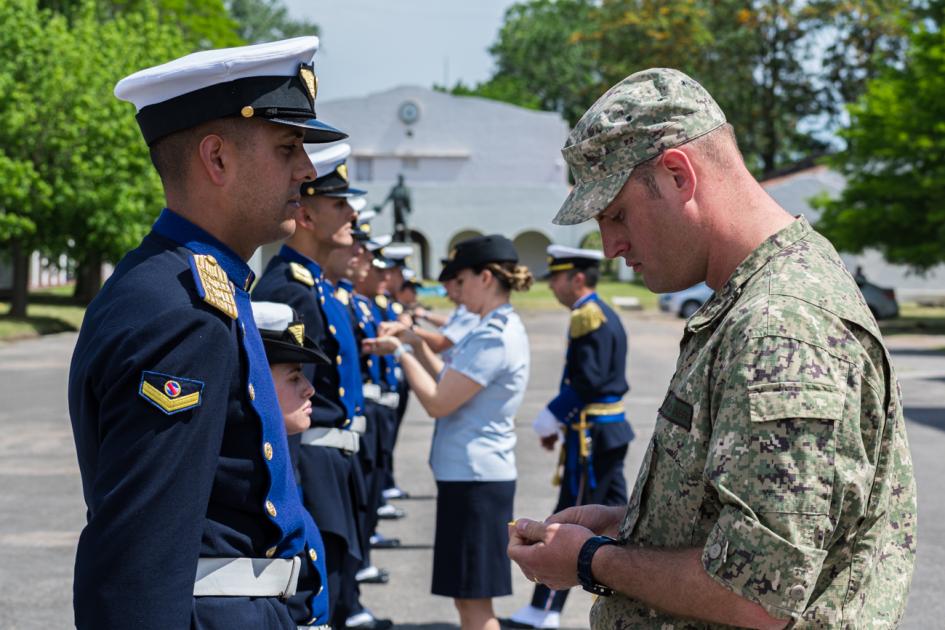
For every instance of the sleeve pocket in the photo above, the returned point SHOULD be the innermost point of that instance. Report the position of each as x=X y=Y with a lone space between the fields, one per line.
x=792 y=446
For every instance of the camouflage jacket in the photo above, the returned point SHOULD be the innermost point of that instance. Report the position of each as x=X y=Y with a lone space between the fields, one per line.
x=781 y=451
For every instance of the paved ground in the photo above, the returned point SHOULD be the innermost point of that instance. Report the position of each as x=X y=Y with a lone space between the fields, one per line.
x=41 y=508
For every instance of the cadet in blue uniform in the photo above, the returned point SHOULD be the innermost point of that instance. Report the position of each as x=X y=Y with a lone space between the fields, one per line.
x=474 y=401
x=345 y=266
x=194 y=520
x=588 y=408
x=287 y=348
x=332 y=486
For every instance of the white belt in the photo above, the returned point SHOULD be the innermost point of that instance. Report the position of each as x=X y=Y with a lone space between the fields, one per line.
x=389 y=399
x=372 y=391
x=333 y=438
x=247 y=577
x=358 y=425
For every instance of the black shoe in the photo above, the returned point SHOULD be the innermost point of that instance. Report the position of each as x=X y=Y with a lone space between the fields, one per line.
x=378 y=576
x=390 y=512
x=373 y=624
x=385 y=543
x=507 y=622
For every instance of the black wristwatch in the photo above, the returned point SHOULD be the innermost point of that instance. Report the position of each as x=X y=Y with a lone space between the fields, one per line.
x=591 y=545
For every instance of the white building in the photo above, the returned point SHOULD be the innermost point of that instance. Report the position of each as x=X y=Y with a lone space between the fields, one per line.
x=473 y=166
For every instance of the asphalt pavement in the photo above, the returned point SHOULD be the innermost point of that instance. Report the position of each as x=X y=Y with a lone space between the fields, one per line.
x=42 y=511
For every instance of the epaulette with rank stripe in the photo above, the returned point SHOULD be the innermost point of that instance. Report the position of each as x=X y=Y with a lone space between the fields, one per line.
x=498 y=322
x=301 y=274
x=381 y=300
x=586 y=319
x=213 y=285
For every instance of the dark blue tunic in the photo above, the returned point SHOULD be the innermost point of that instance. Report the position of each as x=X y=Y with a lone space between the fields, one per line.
x=180 y=441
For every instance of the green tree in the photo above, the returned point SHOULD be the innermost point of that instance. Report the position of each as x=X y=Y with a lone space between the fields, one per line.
x=267 y=20
x=894 y=162
x=75 y=176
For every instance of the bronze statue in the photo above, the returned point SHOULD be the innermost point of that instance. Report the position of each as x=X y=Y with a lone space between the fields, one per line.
x=399 y=195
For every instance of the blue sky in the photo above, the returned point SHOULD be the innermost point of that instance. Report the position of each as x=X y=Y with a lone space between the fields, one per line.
x=372 y=45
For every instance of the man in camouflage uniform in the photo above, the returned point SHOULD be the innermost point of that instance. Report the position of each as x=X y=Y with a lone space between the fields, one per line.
x=778 y=486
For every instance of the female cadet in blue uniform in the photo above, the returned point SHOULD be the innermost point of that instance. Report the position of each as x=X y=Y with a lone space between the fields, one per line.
x=181 y=445
x=588 y=408
x=287 y=348
x=474 y=401
x=332 y=487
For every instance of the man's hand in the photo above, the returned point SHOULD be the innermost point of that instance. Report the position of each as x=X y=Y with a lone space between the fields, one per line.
x=547 y=553
x=548 y=442
x=600 y=519
x=380 y=345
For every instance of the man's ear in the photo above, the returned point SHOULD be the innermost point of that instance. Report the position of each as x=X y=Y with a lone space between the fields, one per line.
x=305 y=217
x=682 y=172
x=215 y=159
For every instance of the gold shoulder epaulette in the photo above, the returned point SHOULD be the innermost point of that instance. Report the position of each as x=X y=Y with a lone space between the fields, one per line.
x=342 y=294
x=586 y=319
x=213 y=285
x=397 y=307
x=381 y=300
x=301 y=274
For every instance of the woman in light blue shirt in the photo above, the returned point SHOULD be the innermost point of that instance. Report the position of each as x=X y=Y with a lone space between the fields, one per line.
x=474 y=399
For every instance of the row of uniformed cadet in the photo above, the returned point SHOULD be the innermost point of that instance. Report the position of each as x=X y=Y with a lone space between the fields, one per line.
x=314 y=273
x=194 y=516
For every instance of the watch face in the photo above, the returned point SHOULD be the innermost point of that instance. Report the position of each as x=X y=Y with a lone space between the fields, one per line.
x=409 y=112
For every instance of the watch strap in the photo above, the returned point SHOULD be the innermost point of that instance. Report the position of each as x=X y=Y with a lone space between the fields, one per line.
x=585 y=557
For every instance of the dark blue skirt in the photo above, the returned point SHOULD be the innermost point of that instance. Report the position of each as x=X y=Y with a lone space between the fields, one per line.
x=470 y=559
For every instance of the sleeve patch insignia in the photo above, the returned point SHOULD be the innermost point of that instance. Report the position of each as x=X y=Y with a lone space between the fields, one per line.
x=586 y=319
x=301 y=274
x=170 y=394
x=213 y=285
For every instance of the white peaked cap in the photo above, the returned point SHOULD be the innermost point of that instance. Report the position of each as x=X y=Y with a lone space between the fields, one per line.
x=272 y=315
x=560 y=251
x=398 y=252
x=209 y=67
x=327 y=159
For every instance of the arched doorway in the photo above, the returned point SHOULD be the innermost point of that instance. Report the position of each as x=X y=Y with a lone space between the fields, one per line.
x=532 y=251
x=461 y=236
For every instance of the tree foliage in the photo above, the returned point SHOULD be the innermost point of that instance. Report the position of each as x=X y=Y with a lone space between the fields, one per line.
x=267 y=20
x=782 y=70
x=895 y=162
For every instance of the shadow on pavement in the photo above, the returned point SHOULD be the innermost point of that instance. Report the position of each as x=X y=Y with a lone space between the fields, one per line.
x=929 y=416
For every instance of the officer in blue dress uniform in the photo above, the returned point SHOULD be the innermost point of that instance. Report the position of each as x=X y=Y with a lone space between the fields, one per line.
x=193 y=517
x=285 y=342
x=332 y=485
x=377 y=403
x=588 y=408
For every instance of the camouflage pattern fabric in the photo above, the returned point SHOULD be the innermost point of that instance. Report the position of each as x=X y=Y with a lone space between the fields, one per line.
x=781 y=450
x=634 y=121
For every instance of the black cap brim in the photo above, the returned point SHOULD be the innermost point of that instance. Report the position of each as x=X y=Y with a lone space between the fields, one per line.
x=278 y=351
x=316 y=132
x=345 y=194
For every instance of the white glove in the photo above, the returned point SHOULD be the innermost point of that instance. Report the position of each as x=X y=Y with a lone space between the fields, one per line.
x=545 y=424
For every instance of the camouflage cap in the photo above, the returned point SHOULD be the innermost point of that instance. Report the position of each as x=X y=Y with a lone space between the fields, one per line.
x=636 y=120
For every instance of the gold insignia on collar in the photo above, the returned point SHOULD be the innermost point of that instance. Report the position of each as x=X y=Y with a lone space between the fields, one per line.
x=586 y=319
x=301 y=274
x=310 y=81
x=343 y=171
x=342 y=295
x=216 y=287
x=366 y=228
x=381 y=300
x=298 y=331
